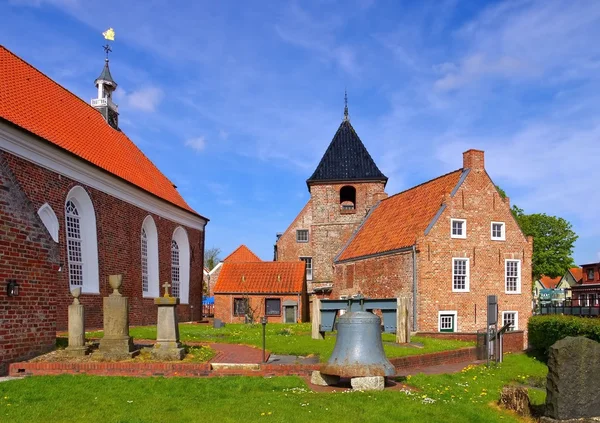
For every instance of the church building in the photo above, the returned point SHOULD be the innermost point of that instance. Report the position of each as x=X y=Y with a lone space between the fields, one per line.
x=100 y=207
x=446 y=243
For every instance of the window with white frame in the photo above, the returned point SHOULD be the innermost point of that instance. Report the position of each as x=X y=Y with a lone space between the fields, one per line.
x=513 y=276
x=302 y=235
x=175 y=270
x=498 y=231
x=460 y=274
x=309 y=267
x=149 y=258
x=447 y=321
x=458 y=228
x=144 y=242
x=81 y=241
x=511 y=317
x=74 y=245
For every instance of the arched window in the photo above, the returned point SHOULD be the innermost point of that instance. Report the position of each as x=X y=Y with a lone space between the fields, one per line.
x=175 y=269
x=348 y=198
x=49 y=220
x=82 y=241
x=180 y=265
x=149 y=257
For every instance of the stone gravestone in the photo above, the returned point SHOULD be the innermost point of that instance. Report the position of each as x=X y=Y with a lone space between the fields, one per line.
x=573 y=385
x=116 y=343
x=76 y=326
x=167 y=345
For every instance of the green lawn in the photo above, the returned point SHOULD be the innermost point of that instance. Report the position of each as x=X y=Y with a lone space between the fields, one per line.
x=292 y=339
x=469 y=396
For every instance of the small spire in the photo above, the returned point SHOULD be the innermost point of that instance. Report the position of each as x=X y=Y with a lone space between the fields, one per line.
x=346 y=118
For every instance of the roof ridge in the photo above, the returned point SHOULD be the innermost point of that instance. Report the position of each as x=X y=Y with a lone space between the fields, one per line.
x=238 y=249
x=422 y=183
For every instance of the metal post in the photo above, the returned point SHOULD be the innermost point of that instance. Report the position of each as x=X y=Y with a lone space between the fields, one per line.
x=263 y=321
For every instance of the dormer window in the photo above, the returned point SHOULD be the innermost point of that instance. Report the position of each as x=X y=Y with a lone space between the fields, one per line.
x=590 y=274
x=458 y=228
x=348 y=198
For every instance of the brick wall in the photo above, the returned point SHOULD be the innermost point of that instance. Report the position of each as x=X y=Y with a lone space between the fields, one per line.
x=118 y=227
x=28 y=255
x=329 y=226
x=224 y=307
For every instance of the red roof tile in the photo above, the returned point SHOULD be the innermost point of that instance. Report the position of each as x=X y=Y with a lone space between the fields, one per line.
x=267 y=277
x=241 y=254
x=397 y=221
x=34 y=102
x=577 y=273
x=550 y=283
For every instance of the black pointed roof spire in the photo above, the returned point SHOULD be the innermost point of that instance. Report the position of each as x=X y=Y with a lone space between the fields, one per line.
x=105 y=75
x=346 y=159
x=346 y=105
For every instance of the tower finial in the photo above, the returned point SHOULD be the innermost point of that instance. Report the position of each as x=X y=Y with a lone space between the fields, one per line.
x=346 y=105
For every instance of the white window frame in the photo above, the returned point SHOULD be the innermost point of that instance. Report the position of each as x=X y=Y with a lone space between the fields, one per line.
x=464 y=228
x=152 y=258
x=502 y=236
x=303 y=258
x=468 y=274
x=49 y=220
x=181 y=238
x=506 y=291
x=89 y=239
x=302 y=240
x=516 y=325
x=453 y=312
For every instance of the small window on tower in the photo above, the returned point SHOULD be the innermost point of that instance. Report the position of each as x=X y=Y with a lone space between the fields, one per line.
x=302 y=235
x=348 y=198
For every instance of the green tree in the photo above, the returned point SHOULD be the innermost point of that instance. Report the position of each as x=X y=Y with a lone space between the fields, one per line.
x=211 y=257
x=553 y=239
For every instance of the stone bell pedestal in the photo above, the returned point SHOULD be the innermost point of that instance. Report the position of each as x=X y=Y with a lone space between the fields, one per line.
x=116 y=343
x=76 y=326
x=167 y=345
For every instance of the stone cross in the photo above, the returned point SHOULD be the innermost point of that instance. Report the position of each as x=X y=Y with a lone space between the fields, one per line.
x=166 y=286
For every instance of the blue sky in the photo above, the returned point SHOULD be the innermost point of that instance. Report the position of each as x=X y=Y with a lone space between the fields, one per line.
x=237 y=101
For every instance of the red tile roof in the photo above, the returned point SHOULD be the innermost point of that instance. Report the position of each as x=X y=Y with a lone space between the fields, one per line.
x=267 y=277
x=34 y=102
x=397 y=221
x=241 y=254
x=577 y=273
x=550 y=283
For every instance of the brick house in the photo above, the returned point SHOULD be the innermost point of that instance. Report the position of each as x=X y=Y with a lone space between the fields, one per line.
x=104 y=204
x=587 y=291
x=446 y=243
x=264 y=288
x=344 y=187
x=29 y=257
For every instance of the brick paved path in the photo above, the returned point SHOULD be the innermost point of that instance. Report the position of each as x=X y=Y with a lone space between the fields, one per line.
x=238 y=354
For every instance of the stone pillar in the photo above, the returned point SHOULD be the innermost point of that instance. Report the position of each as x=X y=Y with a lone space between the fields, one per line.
x=116 y=343
x=316 y=319
x=76 y=326
x=167 y=345
x=402 y=320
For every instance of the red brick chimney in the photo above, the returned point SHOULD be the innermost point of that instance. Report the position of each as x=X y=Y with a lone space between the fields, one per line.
x=473 y=159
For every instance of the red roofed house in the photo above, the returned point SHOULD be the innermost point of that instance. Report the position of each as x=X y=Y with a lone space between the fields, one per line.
x=587 y=290
x=106 y=207
x=248 y=286
x=241 y=254
x=447 y=243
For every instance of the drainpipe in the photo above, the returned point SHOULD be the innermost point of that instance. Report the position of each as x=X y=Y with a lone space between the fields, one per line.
x=414 y=254
x=298 y=310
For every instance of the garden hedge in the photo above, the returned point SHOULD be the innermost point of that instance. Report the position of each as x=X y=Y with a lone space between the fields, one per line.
x=544 y=331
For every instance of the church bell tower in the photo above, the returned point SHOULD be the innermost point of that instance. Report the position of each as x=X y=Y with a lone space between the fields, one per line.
x=106 y=86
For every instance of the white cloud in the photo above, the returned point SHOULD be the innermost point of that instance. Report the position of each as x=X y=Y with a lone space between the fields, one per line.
x=198 y=144
x=145 y=99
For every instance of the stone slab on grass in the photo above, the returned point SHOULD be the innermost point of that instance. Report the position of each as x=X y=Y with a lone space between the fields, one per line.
x=372 y=383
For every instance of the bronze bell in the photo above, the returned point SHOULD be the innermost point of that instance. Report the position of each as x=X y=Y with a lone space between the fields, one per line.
x=358 y=348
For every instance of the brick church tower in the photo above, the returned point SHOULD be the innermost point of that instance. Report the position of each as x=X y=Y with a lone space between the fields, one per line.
x=344 y=187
